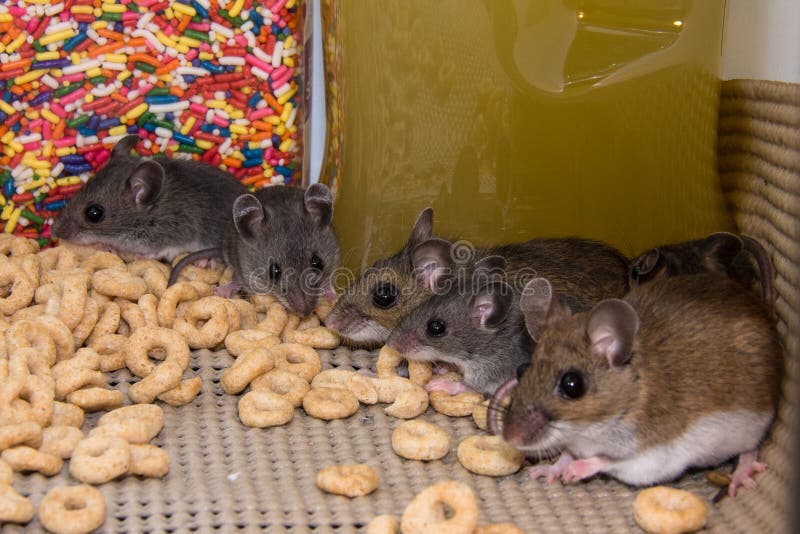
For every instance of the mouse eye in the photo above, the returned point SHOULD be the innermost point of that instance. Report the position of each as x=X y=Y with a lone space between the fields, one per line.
x=521 y=370
x=94 y=213
x=316 y=263
x=571 y=386
x=274 y=271
x=436 y=328
x=385 y=295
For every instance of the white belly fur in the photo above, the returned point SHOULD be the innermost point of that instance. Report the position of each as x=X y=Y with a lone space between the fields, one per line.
x=710 y=441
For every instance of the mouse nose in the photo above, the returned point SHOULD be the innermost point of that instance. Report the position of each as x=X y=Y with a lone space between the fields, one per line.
x=64 y=228
x=522 y=427
x=302 y=304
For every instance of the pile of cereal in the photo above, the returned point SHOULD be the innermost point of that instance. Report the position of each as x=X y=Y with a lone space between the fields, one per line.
x=211 y=80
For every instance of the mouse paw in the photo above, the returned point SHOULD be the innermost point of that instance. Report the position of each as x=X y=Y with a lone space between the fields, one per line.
x=551 y=472
x=226 y=291
x=367 y=372
x=445 y=384
x=745 y=469
x=583 y=469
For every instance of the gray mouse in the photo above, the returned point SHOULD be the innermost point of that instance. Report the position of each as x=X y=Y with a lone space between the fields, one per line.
x=150 y=208
x=683 y=372
x=280 y=242
x=741 y=257
x=477 y=327
x=368 y=310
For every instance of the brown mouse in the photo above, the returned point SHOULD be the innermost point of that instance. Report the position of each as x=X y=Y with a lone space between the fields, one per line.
x=683 y=372
x=368 y=310
x=741 y=257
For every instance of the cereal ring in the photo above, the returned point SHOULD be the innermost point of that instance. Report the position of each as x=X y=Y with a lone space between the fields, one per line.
x=24 y=458
x=480 y=415
x=60 y=440
x=26 y=334
x=426 y=512
x=149 y=306
x=35 y=397
x=72 y=509
x=30 y=266
x=156 y=281
x=489 y=455
x=140 y=267
x=75 y=379
x=14 y=508
x=170 y=299
x=408 y=399
x=499 y=528
x=419 y=372
x=420 y=440
x=203 y=289
x=108 y=323
x=232 y=312
x=209 y=310
x=362 y=388
x=114 y=283
x=131 y=314
x=261 y=409
x=298 y=359
x=61 y=336
x=194 y=272
x=388 y=360
x=110 y=348
x=383 y=524
x=318 y=337
x=148 y=461
x=275 y=321
x=183 y=393
x=312 y=321
x=155 y=380
x=95 y=399
x=241 y=341
x=103 y=260
x=332 y=378
x=98 y=459
x=292 y=322
x=245 y=369
x=665 y=510
x=83 y=329
x=66 y=414
x=459 y=405
x=261 y=301
x=25 y=433
x=284 y=384
x=18 y=289
x=28 y=314
x=330 y=403
x=138 y=423
x=352 y=480
x=247 y=313
x=74 y=290
x=21 y=246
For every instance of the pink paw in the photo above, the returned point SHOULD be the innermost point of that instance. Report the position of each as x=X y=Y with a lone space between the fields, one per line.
x=582 y=469
x=551 y=472
x=743 y=475
x=227 y=290
x=445 y=384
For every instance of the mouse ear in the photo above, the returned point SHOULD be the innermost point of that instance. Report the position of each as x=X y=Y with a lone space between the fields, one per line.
x=248 y=215
x=488 y=269
x=145 y=182
x=432 y=264
x=490 y=305
x=422 y=230
x=539 y=304
x=646 y=267
x=124 y=146
x=720 y=249
x=612 y=328
x=319 y=203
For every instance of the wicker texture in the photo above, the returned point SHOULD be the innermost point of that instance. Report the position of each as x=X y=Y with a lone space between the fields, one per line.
x=225 y=477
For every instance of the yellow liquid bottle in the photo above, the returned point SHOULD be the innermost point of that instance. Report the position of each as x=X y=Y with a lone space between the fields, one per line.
x=517 y=119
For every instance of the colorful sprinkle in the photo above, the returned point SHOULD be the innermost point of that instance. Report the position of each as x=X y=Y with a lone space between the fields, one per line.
x=210 y=80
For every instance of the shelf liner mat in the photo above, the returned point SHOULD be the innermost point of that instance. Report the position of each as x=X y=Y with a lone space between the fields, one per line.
x=225 y=477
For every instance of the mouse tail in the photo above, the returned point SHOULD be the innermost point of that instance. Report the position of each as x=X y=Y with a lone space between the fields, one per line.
x=764 y=266
x=205 y=254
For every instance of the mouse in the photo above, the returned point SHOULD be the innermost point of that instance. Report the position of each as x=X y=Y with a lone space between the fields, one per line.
x=741 y=257
x=474 y=326
x=477 y=327
x=149 y=208
x=369 y=309
x=280 y=242
x=682 y=372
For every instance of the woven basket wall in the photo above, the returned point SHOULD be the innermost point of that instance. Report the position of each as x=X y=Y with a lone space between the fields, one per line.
x=225 y=477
